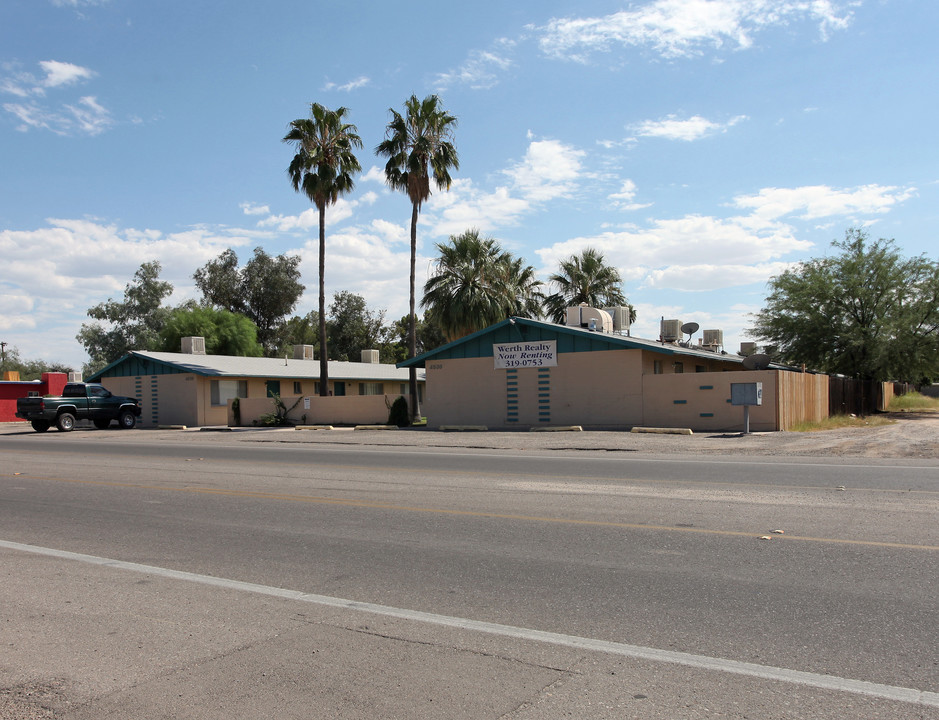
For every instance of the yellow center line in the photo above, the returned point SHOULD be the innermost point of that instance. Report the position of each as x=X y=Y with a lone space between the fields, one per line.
x=372 y=505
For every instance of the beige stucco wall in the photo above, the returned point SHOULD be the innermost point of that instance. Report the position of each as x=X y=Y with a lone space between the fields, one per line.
x=701 y=401
x=316 y=410
x=615 y=388
x=186 y=399
x=169 y=399
x=471 y=391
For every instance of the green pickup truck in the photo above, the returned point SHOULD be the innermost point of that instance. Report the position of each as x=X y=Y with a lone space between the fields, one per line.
x=79 y=401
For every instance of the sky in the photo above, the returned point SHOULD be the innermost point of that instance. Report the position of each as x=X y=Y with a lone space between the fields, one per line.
x=703 y=146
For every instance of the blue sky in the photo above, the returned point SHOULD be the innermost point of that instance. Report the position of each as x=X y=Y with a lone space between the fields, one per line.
x=702 y=145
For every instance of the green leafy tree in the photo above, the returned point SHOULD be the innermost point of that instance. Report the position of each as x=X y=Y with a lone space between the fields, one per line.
x=322 y=169
x=477 y=283
x=299 y=330
x=419 y=147
x=132 y=324
x=265 y=290
x=394 y=349
x=225 y=332
x=11 y=361
x=353 y=327
x=865 y=312
x=585 y=278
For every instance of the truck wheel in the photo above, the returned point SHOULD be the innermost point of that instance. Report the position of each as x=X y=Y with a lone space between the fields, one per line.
x=102 y=424
x=40 y=425
x=65 y=422
x=127 y=420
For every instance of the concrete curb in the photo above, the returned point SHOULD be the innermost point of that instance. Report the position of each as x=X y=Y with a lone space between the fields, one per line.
x=558 y=428
x=463 y=428
x=663 y=431
x=376 y=427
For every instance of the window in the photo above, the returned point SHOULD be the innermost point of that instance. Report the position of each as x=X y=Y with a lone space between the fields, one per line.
x=679 y=367
x=225 y=390
x=297 y=387
x=700 y=368
x=371 y=388
x=656 y=367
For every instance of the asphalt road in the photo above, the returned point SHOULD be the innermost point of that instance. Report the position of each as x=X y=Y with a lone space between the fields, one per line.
x=147 y=576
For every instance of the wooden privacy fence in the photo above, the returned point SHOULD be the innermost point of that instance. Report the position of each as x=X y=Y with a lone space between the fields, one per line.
x=802 y=397
x=849 y=396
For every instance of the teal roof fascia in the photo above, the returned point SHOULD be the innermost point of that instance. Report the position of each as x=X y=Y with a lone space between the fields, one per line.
x=570 y=339
x=129 y=366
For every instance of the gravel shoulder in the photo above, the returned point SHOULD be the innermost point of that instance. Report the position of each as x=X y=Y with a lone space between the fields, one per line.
x=909 y=435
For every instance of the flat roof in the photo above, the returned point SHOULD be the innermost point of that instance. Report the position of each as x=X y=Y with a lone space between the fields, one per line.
x=260 y=367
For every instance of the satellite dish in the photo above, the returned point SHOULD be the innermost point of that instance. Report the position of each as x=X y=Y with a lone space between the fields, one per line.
x=756 y=362
x=690 y=328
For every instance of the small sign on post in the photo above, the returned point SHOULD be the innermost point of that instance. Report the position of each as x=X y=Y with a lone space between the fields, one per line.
x=746 y=394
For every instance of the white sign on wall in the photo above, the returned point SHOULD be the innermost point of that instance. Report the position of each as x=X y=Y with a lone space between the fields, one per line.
x=543 y=353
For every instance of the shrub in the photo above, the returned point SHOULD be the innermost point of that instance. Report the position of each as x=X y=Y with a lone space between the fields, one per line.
x=398 y=413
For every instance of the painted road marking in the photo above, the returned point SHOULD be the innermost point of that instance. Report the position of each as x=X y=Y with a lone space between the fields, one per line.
x=766 y=672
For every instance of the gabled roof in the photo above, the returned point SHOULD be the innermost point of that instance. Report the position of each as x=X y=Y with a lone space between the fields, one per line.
x=569 y=339
x=139 y=362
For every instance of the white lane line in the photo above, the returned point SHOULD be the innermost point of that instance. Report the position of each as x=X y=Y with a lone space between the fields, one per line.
x=767 y=672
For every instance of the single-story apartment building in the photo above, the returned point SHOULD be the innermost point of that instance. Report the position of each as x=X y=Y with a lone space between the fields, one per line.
x=523 y=374
x=194 y=389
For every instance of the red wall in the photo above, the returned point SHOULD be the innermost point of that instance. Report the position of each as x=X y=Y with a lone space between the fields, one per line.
x=51 y=384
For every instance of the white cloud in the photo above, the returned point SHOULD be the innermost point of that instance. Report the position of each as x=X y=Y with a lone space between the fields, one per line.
x=711 y=277
x=89 y=116
x=250 y=208
x=624 y=199
x=341 y=210
x=819 y=201
x=693 y=128
x=83 y=262
x=63 y=73
x=481 y=69
x=359 y=82
x=685 y=28
x=690 y=240
x=699 y=252
x=550 y=169
x=85 y=116
x=374 y=174
x=362 y=262
x=465 y=206
x=391 y=232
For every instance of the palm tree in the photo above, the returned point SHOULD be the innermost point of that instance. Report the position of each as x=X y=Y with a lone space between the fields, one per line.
x=585 y=278
x=322 y=169
x=418 y=145
x=524 y=290
x=476 y=284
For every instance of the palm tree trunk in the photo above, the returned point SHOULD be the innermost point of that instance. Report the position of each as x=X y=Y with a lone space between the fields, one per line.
x=324 y=353
x=414 y=404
